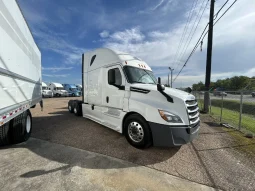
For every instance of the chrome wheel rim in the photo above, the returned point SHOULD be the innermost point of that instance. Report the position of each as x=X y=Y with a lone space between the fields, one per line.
x=70 y=108
x=28 y=124
x=75 y=110
x=135 y=132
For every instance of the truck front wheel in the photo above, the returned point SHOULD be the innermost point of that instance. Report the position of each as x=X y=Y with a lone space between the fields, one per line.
x=137 y=131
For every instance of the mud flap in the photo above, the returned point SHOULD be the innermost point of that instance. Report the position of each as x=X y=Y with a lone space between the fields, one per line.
x=41 y=104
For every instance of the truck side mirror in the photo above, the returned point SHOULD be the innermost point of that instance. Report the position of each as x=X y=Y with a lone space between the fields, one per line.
x=111 y=77
x=160 y=87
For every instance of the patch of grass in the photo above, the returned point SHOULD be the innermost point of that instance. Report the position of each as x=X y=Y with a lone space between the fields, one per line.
x=233 y=105
x=232 y=117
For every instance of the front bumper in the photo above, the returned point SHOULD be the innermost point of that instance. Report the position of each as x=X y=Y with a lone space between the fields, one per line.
x=169 y=136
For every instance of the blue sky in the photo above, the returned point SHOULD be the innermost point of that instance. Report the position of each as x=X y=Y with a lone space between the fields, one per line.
x=149 y=29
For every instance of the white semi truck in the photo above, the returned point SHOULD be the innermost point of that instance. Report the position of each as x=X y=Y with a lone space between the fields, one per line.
x=121 y=92
x=46 y=92
x=20 y=74
x=58 y=89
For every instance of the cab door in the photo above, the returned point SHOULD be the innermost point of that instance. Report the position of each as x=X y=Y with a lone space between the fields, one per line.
x=113 y=96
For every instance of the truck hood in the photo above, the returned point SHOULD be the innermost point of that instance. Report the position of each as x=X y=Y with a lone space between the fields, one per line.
x=170 y=91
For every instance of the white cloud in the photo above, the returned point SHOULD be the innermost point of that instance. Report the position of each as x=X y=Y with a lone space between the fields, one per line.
x=56 y=75
x=132 y=35
x=57 y=43
x=234 y=42
x=64 y=15
x=158 y=5
x=56 y=69
x=82 y=33
x=163 y=6
x=104 y=34
x=188 y=80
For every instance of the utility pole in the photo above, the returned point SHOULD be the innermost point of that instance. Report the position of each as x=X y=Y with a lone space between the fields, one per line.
x=171 y=77
x=209 y=59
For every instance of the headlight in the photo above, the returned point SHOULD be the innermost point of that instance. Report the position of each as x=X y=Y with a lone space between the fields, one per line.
x=169 y=117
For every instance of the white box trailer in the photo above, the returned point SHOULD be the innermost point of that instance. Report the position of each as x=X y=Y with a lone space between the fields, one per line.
x=121 y=92
x=20 y=74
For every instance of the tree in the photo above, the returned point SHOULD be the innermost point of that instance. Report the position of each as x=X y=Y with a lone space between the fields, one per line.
x=235 y=83
x=198 y=87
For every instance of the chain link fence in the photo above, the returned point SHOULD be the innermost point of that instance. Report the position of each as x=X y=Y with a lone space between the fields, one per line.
x=232 y=108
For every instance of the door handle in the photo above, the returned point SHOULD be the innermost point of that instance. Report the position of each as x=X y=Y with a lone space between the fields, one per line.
x=107 y=99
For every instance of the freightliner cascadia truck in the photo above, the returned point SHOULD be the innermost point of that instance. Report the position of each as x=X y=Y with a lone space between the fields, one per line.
x=121 y=92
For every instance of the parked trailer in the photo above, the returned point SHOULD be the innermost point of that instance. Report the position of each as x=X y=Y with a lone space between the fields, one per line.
x=20 y=74
x=58 y=90
x=46 y=92
x=121 y=92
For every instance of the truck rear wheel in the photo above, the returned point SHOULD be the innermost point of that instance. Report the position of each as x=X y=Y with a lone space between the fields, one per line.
x=137 y=131
x=21 y=127
x=5 y=134
x=77 y=108
x=70 y=106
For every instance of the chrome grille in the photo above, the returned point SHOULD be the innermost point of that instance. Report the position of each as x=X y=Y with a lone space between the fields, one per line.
x=193 y=111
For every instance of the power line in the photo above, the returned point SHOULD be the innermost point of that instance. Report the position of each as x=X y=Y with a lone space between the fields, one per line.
x=191 y=52
x=196 y=26
x=216 y=15
x=220 y=17
x=183 y=33
x=194 y=49
x=186 y=31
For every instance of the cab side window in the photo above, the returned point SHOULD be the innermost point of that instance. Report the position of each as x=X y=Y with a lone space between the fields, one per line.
x=118 y=78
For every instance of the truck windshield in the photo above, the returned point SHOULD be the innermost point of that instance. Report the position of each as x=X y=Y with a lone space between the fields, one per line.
x=60 y=88
x=73 y=89
x=44 y=88
x=138 y=75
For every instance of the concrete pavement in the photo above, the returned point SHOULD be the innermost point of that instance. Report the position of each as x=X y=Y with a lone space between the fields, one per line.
x=221 y=158
x=41 y=165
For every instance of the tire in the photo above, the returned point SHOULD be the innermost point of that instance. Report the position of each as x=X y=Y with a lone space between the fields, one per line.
x=77 y=108
x=133 y=122
x=70 y=106
x=33 y=106
x=21 y=127
x=5 y=134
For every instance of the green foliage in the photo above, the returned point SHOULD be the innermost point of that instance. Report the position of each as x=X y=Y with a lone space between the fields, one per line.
x=198 y=87
x=231 y=84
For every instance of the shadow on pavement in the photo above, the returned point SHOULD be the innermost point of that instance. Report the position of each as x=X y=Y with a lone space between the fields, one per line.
x=64 y=128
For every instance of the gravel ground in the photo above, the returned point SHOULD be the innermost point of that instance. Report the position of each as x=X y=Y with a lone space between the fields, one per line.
x=221 y=158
